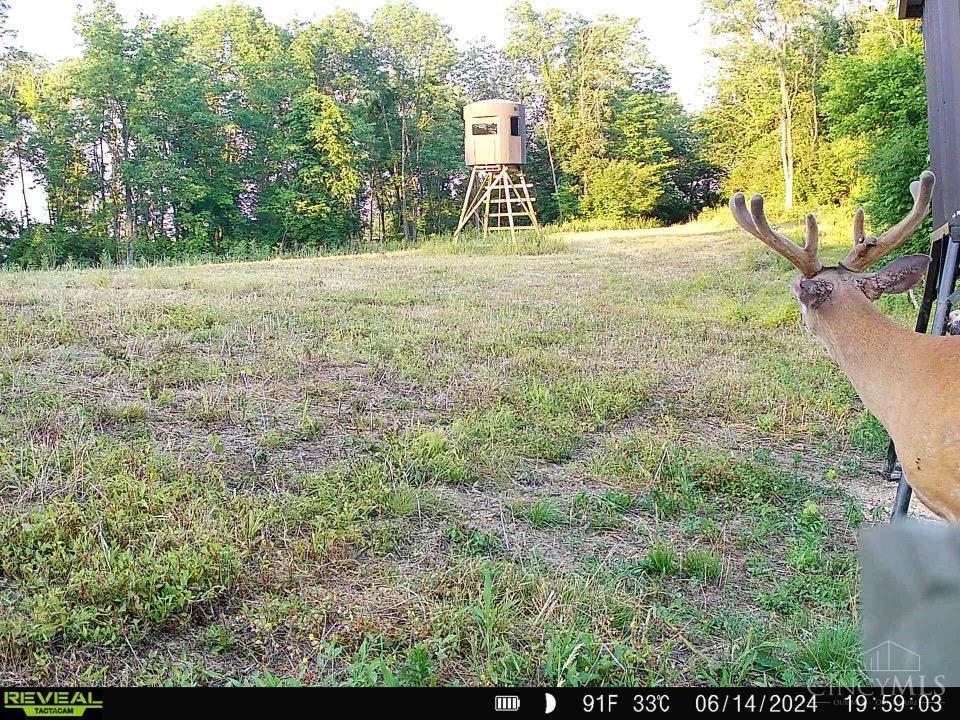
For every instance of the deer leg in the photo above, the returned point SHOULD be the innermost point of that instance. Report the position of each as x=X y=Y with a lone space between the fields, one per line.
x=890 y=467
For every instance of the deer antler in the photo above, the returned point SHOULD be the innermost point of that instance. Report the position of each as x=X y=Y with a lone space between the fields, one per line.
x=867 y=250
x=754 y=221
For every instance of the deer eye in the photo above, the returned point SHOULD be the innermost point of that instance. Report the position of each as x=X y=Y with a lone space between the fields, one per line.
x=814 y=293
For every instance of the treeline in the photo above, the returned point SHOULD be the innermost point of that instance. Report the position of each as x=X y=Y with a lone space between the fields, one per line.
x=226 y=134
x=817 y=107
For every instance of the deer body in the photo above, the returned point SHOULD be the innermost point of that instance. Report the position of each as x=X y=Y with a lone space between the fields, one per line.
x=903 y=378
x=909 y=381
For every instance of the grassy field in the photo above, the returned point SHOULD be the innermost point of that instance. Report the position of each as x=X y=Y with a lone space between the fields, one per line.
x=618 y=461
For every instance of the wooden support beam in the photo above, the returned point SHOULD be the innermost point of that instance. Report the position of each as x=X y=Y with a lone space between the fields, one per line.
x=506 y=188
x=528 y=199
x=506 y=192
x=464 y=217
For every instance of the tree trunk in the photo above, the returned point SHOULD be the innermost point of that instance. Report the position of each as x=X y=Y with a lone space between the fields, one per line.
x=129 y=225
x=129 y=219
x=786 y=138
x=23 y=185
x=382 y=212
x=404 y=219
x=415 y=197
x=101 y=171
x=545 y=69
x=553 y=167
x=814 y=77
x=398 y=224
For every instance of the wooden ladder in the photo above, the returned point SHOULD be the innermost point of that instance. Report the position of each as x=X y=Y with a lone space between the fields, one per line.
x=506 y=190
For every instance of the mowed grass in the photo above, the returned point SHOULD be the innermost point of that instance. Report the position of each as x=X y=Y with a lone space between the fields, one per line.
x=618 y=461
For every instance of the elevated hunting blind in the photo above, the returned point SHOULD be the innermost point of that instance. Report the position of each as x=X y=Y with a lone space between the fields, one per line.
x=495 y=150
x=495 y=133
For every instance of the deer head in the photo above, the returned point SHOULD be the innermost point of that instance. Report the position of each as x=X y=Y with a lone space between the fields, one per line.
x=820 y=289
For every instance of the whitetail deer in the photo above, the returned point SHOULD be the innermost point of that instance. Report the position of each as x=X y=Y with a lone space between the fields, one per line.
x=908 y=380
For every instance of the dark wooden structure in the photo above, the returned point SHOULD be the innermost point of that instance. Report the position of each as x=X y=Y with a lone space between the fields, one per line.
x=941 y=39
x=908 y=9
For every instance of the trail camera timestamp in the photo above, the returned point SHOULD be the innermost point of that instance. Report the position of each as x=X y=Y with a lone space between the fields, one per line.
x=822 y=701
x=922 y=702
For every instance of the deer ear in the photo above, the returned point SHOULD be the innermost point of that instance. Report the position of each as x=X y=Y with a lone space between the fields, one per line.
x=897 y=277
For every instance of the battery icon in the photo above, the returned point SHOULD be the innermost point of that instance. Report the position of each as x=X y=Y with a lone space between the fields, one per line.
x=507 y=703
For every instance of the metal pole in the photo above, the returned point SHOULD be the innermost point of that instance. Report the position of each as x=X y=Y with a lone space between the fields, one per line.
x=947 y=281
x=901 y=504
x=932 y=285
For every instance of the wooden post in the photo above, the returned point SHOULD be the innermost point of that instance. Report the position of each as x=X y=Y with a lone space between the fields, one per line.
x=941 y=39
x=506 y=192
x=471 y=204
x=486 y=209
x=528 y=199
x=466 y=200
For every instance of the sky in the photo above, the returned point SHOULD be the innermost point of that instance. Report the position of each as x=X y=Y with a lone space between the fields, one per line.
x=676 y=39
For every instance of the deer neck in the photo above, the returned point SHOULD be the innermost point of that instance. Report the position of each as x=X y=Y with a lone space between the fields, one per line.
x=872 y=350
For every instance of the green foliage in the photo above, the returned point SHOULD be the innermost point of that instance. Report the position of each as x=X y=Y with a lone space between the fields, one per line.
x=764 y=123
x=661 y=559
x=827 y=102
x=313 y=200
x=150 y=544
x=869 y=435
x=542 y=513
x=876 y=98
x=226 y=135
x=702 y=564
x=620 y=190
x=525 y=243
x=427 y=457
x=611 y=130
x=833 y=655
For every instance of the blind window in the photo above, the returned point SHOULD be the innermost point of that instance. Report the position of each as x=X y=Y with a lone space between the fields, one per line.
x=484 y=129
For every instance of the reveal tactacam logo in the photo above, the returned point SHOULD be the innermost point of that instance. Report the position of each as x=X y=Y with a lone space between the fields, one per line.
x=54 y=703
